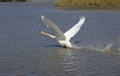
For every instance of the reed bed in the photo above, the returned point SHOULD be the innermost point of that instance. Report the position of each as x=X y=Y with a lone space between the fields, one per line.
x=87 y=3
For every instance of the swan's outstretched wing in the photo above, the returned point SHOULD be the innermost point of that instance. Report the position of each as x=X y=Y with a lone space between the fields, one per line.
x=73 y=31
x=58 y=33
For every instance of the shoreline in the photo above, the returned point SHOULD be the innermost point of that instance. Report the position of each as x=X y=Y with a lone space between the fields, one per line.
x=88 y=8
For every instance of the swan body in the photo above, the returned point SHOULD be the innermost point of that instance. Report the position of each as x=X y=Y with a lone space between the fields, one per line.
x=62 y=38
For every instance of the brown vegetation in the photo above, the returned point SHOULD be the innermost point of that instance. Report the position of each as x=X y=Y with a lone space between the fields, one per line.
x=12 y=0
x=96 y=3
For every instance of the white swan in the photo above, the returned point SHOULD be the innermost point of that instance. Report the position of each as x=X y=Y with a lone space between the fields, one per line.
x=62 y=38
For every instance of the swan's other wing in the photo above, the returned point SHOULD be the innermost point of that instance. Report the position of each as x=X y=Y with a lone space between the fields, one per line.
x=58 y=33
x=73 y=31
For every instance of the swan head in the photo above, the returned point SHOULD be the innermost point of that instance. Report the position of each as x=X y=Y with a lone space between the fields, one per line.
x=41 y=32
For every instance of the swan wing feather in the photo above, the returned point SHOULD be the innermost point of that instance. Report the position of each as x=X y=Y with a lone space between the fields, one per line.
x=59 y=34
x=74 y=30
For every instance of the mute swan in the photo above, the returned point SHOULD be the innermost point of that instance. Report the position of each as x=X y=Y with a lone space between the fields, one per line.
x=62 y=38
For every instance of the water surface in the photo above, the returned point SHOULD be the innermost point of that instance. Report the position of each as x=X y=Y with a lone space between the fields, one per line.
x=24 y=52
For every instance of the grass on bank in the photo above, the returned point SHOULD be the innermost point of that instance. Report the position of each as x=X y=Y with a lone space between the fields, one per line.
x=87 y=3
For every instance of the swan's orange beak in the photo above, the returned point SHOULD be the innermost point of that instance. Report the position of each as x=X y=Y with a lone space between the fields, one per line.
x=41 y=32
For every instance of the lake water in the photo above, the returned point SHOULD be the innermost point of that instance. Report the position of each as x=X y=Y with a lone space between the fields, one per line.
x=24 y=52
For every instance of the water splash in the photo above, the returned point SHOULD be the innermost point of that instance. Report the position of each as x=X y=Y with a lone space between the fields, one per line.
x=109 y=48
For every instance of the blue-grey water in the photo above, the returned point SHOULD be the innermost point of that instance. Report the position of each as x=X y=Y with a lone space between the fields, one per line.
x=24 y=52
